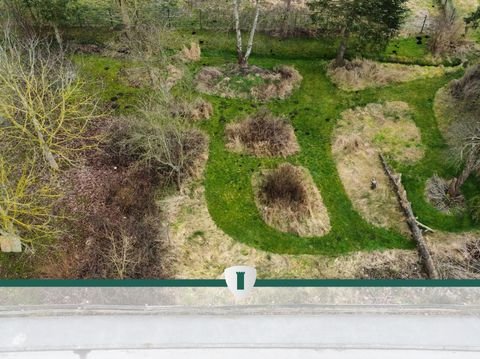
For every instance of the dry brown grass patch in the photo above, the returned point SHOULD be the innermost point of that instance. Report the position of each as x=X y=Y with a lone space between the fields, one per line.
x=262 y=135
x=255 y=83
x=151 y=76
x=196 y=110
x=198 y=248
x=360 y=135
x=192 y=53
x=289 y=201
x=361 y=74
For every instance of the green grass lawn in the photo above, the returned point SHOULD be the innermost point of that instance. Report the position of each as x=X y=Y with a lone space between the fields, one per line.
x=313 y=110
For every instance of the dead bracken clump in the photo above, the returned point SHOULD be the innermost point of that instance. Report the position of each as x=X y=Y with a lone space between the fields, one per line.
x=191 y=54
x=197 y=110
x=289 y=201
x=437 y=193
x=251 y=83
x=262 y=135
x=360 y=74
x=387 y=266
x=464 y=264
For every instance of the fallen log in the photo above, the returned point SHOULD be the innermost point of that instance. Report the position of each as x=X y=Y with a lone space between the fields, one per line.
x=412 y=222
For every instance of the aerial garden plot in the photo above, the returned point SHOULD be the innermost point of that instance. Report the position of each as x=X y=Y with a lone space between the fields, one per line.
x=172 y=139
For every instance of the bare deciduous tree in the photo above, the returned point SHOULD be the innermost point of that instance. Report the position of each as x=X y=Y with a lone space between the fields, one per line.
x=24 y=206
x=42 y=101
x=243 y=56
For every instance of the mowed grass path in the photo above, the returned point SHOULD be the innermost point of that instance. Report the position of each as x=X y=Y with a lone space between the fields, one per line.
x=314 y=110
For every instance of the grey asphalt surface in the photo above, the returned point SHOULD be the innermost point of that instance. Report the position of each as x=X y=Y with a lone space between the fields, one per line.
x=420 y=332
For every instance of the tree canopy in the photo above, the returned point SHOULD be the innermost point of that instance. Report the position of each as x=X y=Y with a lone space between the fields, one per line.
x=369 y=21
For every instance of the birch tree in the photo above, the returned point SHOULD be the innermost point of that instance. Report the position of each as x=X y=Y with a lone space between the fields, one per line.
x=242 y=56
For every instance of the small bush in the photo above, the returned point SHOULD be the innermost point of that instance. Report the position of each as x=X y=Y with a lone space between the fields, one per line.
x=262 y=135
x=437 y=193
x=446 y=38
x=285 y=186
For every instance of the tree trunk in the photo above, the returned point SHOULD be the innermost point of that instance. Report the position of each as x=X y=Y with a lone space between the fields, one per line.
x=240 y=57
x=125 y=16
x=252 y=34
x=342 y=48
x=288 y=7
x=417 y=235
x=243 y=57
x=58 y=36
x=45 y=149
x=457 y=183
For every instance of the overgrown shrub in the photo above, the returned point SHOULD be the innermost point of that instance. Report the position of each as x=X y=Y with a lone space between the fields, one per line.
x=467 y=89
x=437 y=193
x=262 y=135
x=165 y=146
x=196 y=109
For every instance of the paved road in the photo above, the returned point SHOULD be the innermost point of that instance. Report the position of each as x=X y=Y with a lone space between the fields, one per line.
x=421 y=332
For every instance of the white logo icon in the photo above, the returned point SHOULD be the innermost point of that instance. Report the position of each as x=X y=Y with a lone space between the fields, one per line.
x=240 y=280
